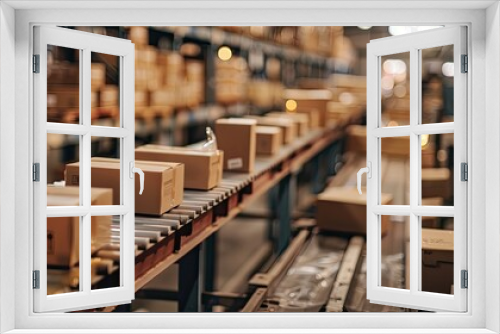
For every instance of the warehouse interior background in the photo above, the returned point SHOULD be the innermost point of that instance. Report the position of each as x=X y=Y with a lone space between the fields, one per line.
x=262 y=253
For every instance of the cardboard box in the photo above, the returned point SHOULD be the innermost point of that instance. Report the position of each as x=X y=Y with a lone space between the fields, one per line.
x=427 y=221
x=236 y=137
x=391 y=146
x=139 y=35
x=203 y=169
x=436 y=182
x=339 y=112
x=161 y=183
x=313 y=114
x=437 y=260
x=268 y=140
x=109 y=96
x=344 y=210
x=63 y=242
x=301 y=120
x=312 y=99
x=97 y=76
x=288 y=127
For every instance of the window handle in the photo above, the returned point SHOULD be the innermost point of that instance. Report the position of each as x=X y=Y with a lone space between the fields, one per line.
x=368 y=171
x=139 y=171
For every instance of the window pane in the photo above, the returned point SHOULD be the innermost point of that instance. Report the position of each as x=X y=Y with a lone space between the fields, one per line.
x=394 y=236
x=437 y=256
x=437 y=84
x=61 y=151
x=437 y=169
x=105 y=81
x=395 y=89
x=395 y=169
x=106 y=164
x=105 y=232
x=63 y=85
x=63 y=254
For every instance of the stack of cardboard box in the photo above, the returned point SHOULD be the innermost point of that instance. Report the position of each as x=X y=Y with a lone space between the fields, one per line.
x=231 y=80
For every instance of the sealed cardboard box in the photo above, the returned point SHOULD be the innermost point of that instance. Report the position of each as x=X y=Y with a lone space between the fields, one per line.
x=161 y=183
x=288 y=127
x=268 y=140
x=203 y=169
x=344 y=210
x=437 y=260
x=63 y=242
x=391 y=146
x=340 y=112
x=311 y=98
x=139 y=35
x=312 y=114
x=301 y=120
x=109 y=96
x=436 y=182
x=236 y=137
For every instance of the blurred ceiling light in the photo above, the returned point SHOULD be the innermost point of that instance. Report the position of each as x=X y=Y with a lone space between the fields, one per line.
x=424 y=140
x=365 y=27
x=387 y=82
x=448 y=69
x=346 y=98
x=291 y=105
x=224 y=53
x=401 y=30
x=394 y=66
x=400 y=91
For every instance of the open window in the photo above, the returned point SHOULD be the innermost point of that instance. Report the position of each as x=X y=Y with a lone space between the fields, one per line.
x=385 y=131
x=71 y=227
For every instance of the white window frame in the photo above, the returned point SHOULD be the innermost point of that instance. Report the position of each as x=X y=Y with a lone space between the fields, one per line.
x=484 y=101
x=413 y=44
x=85 y=43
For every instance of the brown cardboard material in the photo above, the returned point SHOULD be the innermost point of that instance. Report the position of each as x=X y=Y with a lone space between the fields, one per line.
x=391 y=146
x=63 y=232
x=301 y=120
x=269 y=140
x=344 y=210
x=311 y=98
x=161 y=183
x=437 y=260
x=436 y=182
x=313 y=114
x=203 y=169
x=236 y=137
x=288 y=127
x=109 y=96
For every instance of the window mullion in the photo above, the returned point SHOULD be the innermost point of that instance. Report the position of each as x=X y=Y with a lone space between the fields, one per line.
x=85 y=173
x=414 y=170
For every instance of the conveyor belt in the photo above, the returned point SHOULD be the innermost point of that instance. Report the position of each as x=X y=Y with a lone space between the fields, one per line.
x=162 y=241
